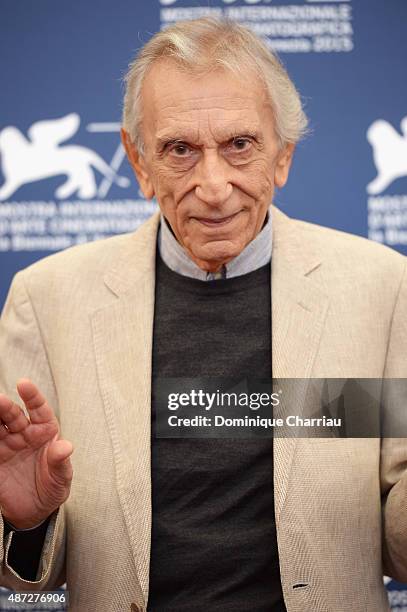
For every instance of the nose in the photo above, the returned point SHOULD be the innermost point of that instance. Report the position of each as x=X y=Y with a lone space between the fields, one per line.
x=213 y=181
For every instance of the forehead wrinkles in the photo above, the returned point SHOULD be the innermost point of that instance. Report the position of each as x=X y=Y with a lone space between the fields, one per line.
x=199 y=102
x=212 y=118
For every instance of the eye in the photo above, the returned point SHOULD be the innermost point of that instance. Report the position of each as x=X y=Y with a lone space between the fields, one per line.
x=240 y=143
x=180 y=149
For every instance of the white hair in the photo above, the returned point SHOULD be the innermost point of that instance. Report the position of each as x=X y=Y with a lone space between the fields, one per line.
x=201 y=45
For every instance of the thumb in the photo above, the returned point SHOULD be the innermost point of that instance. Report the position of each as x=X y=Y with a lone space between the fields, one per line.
x=58 y=457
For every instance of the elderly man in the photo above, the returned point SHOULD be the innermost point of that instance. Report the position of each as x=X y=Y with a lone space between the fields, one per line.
x=210 y=124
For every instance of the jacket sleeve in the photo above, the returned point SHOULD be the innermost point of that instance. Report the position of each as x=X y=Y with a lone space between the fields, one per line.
x=23 y=354
x=393 y=471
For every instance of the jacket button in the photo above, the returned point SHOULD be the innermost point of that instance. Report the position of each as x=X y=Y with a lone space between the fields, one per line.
x=135 y=608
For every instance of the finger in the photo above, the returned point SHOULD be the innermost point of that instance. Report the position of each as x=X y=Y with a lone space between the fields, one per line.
x=38 y=408
x=59 y=462
x=3 y=431
x=11 y=415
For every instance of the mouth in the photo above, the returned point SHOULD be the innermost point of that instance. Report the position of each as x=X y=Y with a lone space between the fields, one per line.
x=216 y=221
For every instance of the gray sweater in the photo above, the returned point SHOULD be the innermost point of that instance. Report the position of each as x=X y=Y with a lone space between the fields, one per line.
x=214 y=543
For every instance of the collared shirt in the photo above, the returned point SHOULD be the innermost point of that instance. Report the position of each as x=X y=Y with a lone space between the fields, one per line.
x=255 y=255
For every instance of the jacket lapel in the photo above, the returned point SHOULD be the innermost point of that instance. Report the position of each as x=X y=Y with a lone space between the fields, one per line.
x=299 y=309
x=123 y=336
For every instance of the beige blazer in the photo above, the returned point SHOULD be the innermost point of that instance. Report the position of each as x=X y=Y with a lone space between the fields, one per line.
x=80 y=323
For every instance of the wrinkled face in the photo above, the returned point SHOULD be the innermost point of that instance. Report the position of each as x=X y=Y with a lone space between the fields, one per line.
x=211 y=158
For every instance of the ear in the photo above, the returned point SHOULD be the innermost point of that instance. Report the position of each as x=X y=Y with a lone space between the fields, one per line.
x=283 y=165
x=138 y=164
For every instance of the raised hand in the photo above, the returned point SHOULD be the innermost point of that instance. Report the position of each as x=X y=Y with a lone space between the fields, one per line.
x=35 y=466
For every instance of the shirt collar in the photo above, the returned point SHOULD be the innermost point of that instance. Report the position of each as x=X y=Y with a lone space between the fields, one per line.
x=255 y=255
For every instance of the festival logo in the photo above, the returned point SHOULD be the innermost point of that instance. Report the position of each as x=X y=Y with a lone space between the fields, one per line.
x=54 y=192
x=41 y=156
x=389 y=153
x=387 y=212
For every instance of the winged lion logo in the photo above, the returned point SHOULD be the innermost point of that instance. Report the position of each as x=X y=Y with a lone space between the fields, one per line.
x=389 y=153
x=40 y=156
